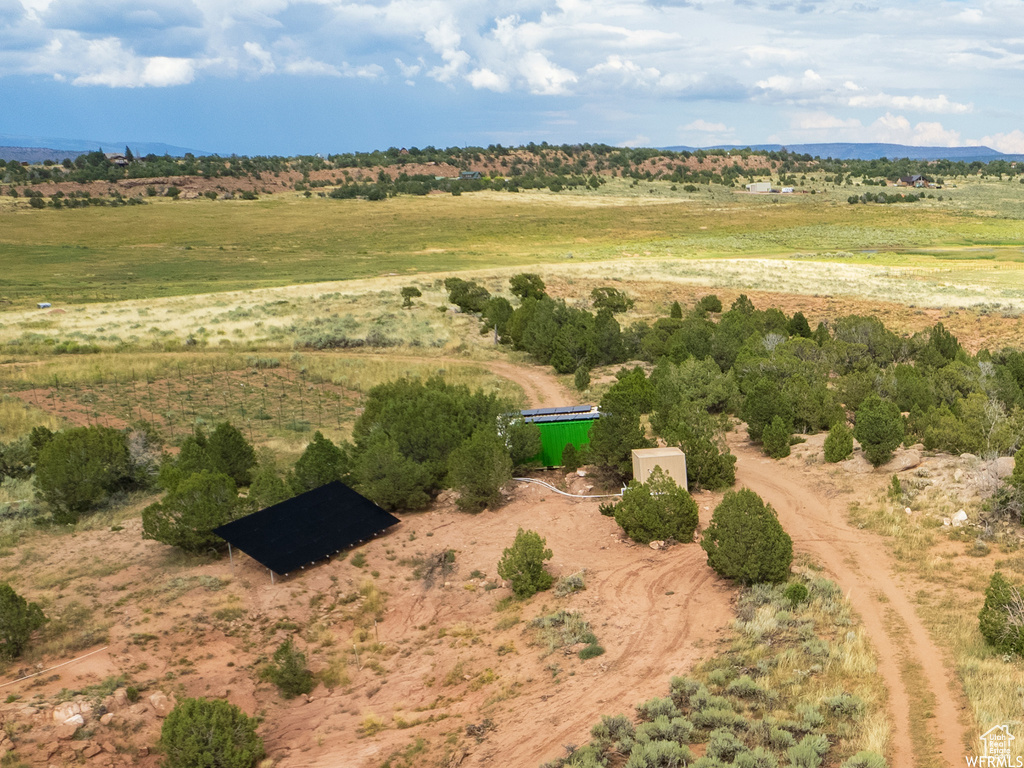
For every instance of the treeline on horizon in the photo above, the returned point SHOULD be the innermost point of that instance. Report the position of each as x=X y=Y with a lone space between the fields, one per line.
x=567 y=165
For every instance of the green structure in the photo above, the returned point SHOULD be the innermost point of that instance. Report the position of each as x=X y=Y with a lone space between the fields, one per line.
x=559 y=427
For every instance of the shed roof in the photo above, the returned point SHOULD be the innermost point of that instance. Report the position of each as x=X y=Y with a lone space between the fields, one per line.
x=307 y=528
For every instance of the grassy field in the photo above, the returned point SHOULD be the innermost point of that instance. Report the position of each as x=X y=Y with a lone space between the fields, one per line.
x=170 y=248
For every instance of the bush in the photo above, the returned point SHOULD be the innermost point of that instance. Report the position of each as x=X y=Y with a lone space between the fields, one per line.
x=522 y=564
x=18 y=620
x=188 y=514
x=319 y=464
x=231 y=454
x=657 y=707
x=657 y=509
x=658 y=754
x=839 y=443
x=709 y=303
x=723 y=745
x=522 y=440
x=809 y=751
x=795 y=593
x=1001 y=620
x=865 y=759
x=480 y=468
x=879 y=429
x=764 y=401
x=581 y=379
x=409 y=293
x=570 y=458
x=745 y=541
x=775 y=438
x=288 y=671
x=612 y=440
x=268 y=489
x=79 y=468
x=212 y=733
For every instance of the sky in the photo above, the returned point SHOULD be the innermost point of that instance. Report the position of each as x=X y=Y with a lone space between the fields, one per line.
x=286 y=77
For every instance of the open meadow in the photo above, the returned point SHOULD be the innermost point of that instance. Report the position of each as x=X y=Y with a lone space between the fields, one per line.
x=284 y=315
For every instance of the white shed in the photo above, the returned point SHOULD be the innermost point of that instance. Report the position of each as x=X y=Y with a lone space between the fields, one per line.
x=671 y=460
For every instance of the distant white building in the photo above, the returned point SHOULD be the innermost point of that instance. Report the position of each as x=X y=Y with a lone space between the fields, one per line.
x=759 y=186
x=787 y=190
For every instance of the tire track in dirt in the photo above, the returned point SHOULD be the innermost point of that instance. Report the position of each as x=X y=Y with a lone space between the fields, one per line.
x=663 y=634
x=859 y=562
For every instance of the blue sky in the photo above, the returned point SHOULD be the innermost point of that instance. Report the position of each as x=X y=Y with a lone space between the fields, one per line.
x=287 y=76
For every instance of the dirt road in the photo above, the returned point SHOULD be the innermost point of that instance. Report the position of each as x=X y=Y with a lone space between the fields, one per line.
x=858 y=561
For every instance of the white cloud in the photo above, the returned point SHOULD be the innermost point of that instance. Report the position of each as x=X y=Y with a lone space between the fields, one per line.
x=1011 y=143
x=625 y=71
x=939 y=104
x=156 y=72
x=809 y=81
x=310 y=67
x=263 y=58
x=485 y=78
x=896 y=129
x=543 y=77
x=703 y=126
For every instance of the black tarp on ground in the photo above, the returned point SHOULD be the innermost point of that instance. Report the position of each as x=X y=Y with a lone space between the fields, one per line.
x=307 y=528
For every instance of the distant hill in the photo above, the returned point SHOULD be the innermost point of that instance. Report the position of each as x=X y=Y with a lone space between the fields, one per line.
x=853 y=151
x=35 y=149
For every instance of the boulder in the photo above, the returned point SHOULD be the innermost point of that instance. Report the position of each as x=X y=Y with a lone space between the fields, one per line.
x=1003 y=466
x=91 y=750
x=66 y=731
x=120 y=699
x=959 y=519
x=902 y=461
x=108 y=747
x=958 y=475
x=105 y=719
x=856 y=464
x=657 y=545
x=968 y=457
x=68 y=709
x=161 y=704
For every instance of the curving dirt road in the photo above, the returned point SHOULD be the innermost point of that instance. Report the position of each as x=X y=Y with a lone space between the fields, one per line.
x=858 y=561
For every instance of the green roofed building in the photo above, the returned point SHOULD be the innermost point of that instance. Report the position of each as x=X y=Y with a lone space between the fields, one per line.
x=559 y=427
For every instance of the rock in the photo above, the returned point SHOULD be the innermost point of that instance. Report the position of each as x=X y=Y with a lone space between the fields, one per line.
x=908 y=510
x=105 y=719
x=68 y=709
x=29 y=711
x=120 y=698
x=902 y=461
x=959 y=519
x=161 y=703
x=657 y=545
x=91 y=750
x=946 y=521
x=968 y=457
x=66 y=731
x=106 y=746
x=856 y=464
x=143 y=751
x=1003 y=466
x=581 y=472
x=958 y=476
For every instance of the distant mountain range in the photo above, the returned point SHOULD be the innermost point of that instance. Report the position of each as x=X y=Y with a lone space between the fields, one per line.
x=851 y=151
x=36 y=149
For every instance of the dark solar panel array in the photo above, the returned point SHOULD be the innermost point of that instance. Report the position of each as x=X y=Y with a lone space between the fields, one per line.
x=307 y=528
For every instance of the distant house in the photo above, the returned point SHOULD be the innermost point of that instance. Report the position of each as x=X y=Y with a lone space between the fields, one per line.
x=470 y=176
x=760 y=186
x=912 y=181
x=44 y=305
x=787 y=190
x=116 y=158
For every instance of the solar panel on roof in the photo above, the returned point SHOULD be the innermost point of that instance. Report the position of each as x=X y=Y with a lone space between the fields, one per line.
x=582 y=408
x=307 y=528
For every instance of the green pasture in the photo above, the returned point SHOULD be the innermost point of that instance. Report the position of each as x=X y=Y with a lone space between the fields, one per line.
x=189 y=246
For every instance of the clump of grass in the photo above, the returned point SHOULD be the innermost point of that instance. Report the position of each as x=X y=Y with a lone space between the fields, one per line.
x=564 y=628
x=567 y=585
